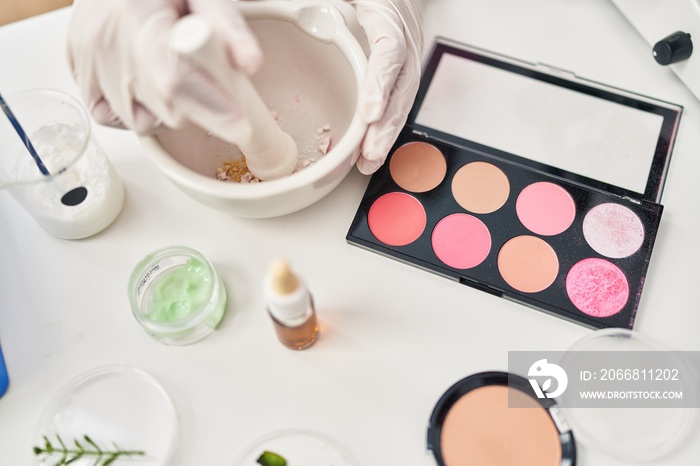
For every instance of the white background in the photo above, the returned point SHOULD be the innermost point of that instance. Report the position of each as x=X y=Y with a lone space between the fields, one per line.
x=394 y=337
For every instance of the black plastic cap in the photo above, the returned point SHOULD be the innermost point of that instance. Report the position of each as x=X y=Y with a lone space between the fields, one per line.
x=674 y=48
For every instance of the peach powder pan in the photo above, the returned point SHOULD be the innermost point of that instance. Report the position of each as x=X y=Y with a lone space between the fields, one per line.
x=527 y=183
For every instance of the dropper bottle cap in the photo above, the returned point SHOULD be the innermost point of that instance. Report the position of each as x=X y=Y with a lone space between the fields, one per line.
x=288 y=299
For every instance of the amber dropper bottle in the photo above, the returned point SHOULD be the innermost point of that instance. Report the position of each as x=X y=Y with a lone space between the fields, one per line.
x=290 y=306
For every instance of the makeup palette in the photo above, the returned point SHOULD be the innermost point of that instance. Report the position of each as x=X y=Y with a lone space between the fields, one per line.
x=525 y=182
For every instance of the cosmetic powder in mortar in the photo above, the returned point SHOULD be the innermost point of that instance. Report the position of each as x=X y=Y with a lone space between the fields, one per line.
x=237 y=170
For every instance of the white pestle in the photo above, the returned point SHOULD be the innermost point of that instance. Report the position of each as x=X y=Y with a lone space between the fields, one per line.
x=269 y=152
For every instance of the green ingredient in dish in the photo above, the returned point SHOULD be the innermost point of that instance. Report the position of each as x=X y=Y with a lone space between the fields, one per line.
x=180 y=292
x=85 y=449
x=269 y=458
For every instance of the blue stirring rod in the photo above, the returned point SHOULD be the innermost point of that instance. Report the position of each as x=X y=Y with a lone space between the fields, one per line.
x=73 y=197
x=23 y=136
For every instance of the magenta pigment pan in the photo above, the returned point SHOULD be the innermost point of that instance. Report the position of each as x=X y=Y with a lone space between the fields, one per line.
x=529 y=184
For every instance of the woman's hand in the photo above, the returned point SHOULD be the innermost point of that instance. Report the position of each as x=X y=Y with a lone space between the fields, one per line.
x=394 y=33
x=129 y=77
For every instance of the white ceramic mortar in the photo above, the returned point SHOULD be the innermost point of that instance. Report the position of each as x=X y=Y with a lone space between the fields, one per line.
x=311 y=76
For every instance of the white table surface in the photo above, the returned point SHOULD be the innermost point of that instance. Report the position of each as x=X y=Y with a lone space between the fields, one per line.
x=393 y=337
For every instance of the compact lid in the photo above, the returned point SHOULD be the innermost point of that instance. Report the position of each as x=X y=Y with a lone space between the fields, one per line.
x=547 y=119
x=631 y=423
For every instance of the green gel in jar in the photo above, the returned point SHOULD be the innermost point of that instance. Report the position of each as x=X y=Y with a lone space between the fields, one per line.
x=177 y=296
x=181 y=291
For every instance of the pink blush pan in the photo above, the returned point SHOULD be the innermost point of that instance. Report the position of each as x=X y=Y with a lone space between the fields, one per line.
x=461 y=241
x=597 y=287
x=545 y=208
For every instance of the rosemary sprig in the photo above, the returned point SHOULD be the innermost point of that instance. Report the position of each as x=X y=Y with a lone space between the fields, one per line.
x=88 y=449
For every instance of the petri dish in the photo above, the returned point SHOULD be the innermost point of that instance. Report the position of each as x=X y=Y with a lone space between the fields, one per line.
x=640 y=434
x=299 y=447
x=112 y=405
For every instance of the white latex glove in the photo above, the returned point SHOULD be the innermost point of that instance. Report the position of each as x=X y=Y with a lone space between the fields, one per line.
x=394 y=33
x=127 y=74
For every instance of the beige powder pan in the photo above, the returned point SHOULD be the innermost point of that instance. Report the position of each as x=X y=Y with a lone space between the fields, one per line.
x=492 y=419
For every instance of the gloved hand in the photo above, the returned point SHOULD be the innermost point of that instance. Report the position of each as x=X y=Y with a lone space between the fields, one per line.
x=127 y=74
x=394 y=32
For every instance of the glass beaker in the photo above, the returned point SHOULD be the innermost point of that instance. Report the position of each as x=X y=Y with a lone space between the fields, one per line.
x=82 y=193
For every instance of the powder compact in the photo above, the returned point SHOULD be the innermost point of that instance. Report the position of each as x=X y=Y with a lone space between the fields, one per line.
x=495 y=418
x=492 y=418
x=525 y=182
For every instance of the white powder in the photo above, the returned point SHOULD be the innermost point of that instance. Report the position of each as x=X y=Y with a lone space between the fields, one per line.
x=57 y=145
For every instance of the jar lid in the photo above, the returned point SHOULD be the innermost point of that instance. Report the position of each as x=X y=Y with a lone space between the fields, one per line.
x=628 y=430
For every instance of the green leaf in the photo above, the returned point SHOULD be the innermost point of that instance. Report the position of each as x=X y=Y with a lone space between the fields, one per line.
x=268 y=458
x=47 y=445
x=94 y=445
x=60 y=440
x=110 y=460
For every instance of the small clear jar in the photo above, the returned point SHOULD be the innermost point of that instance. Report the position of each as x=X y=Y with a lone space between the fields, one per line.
x=177 y=295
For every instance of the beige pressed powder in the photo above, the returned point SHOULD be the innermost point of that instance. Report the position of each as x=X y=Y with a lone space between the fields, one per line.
x=481 y=429
x=480 y=187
